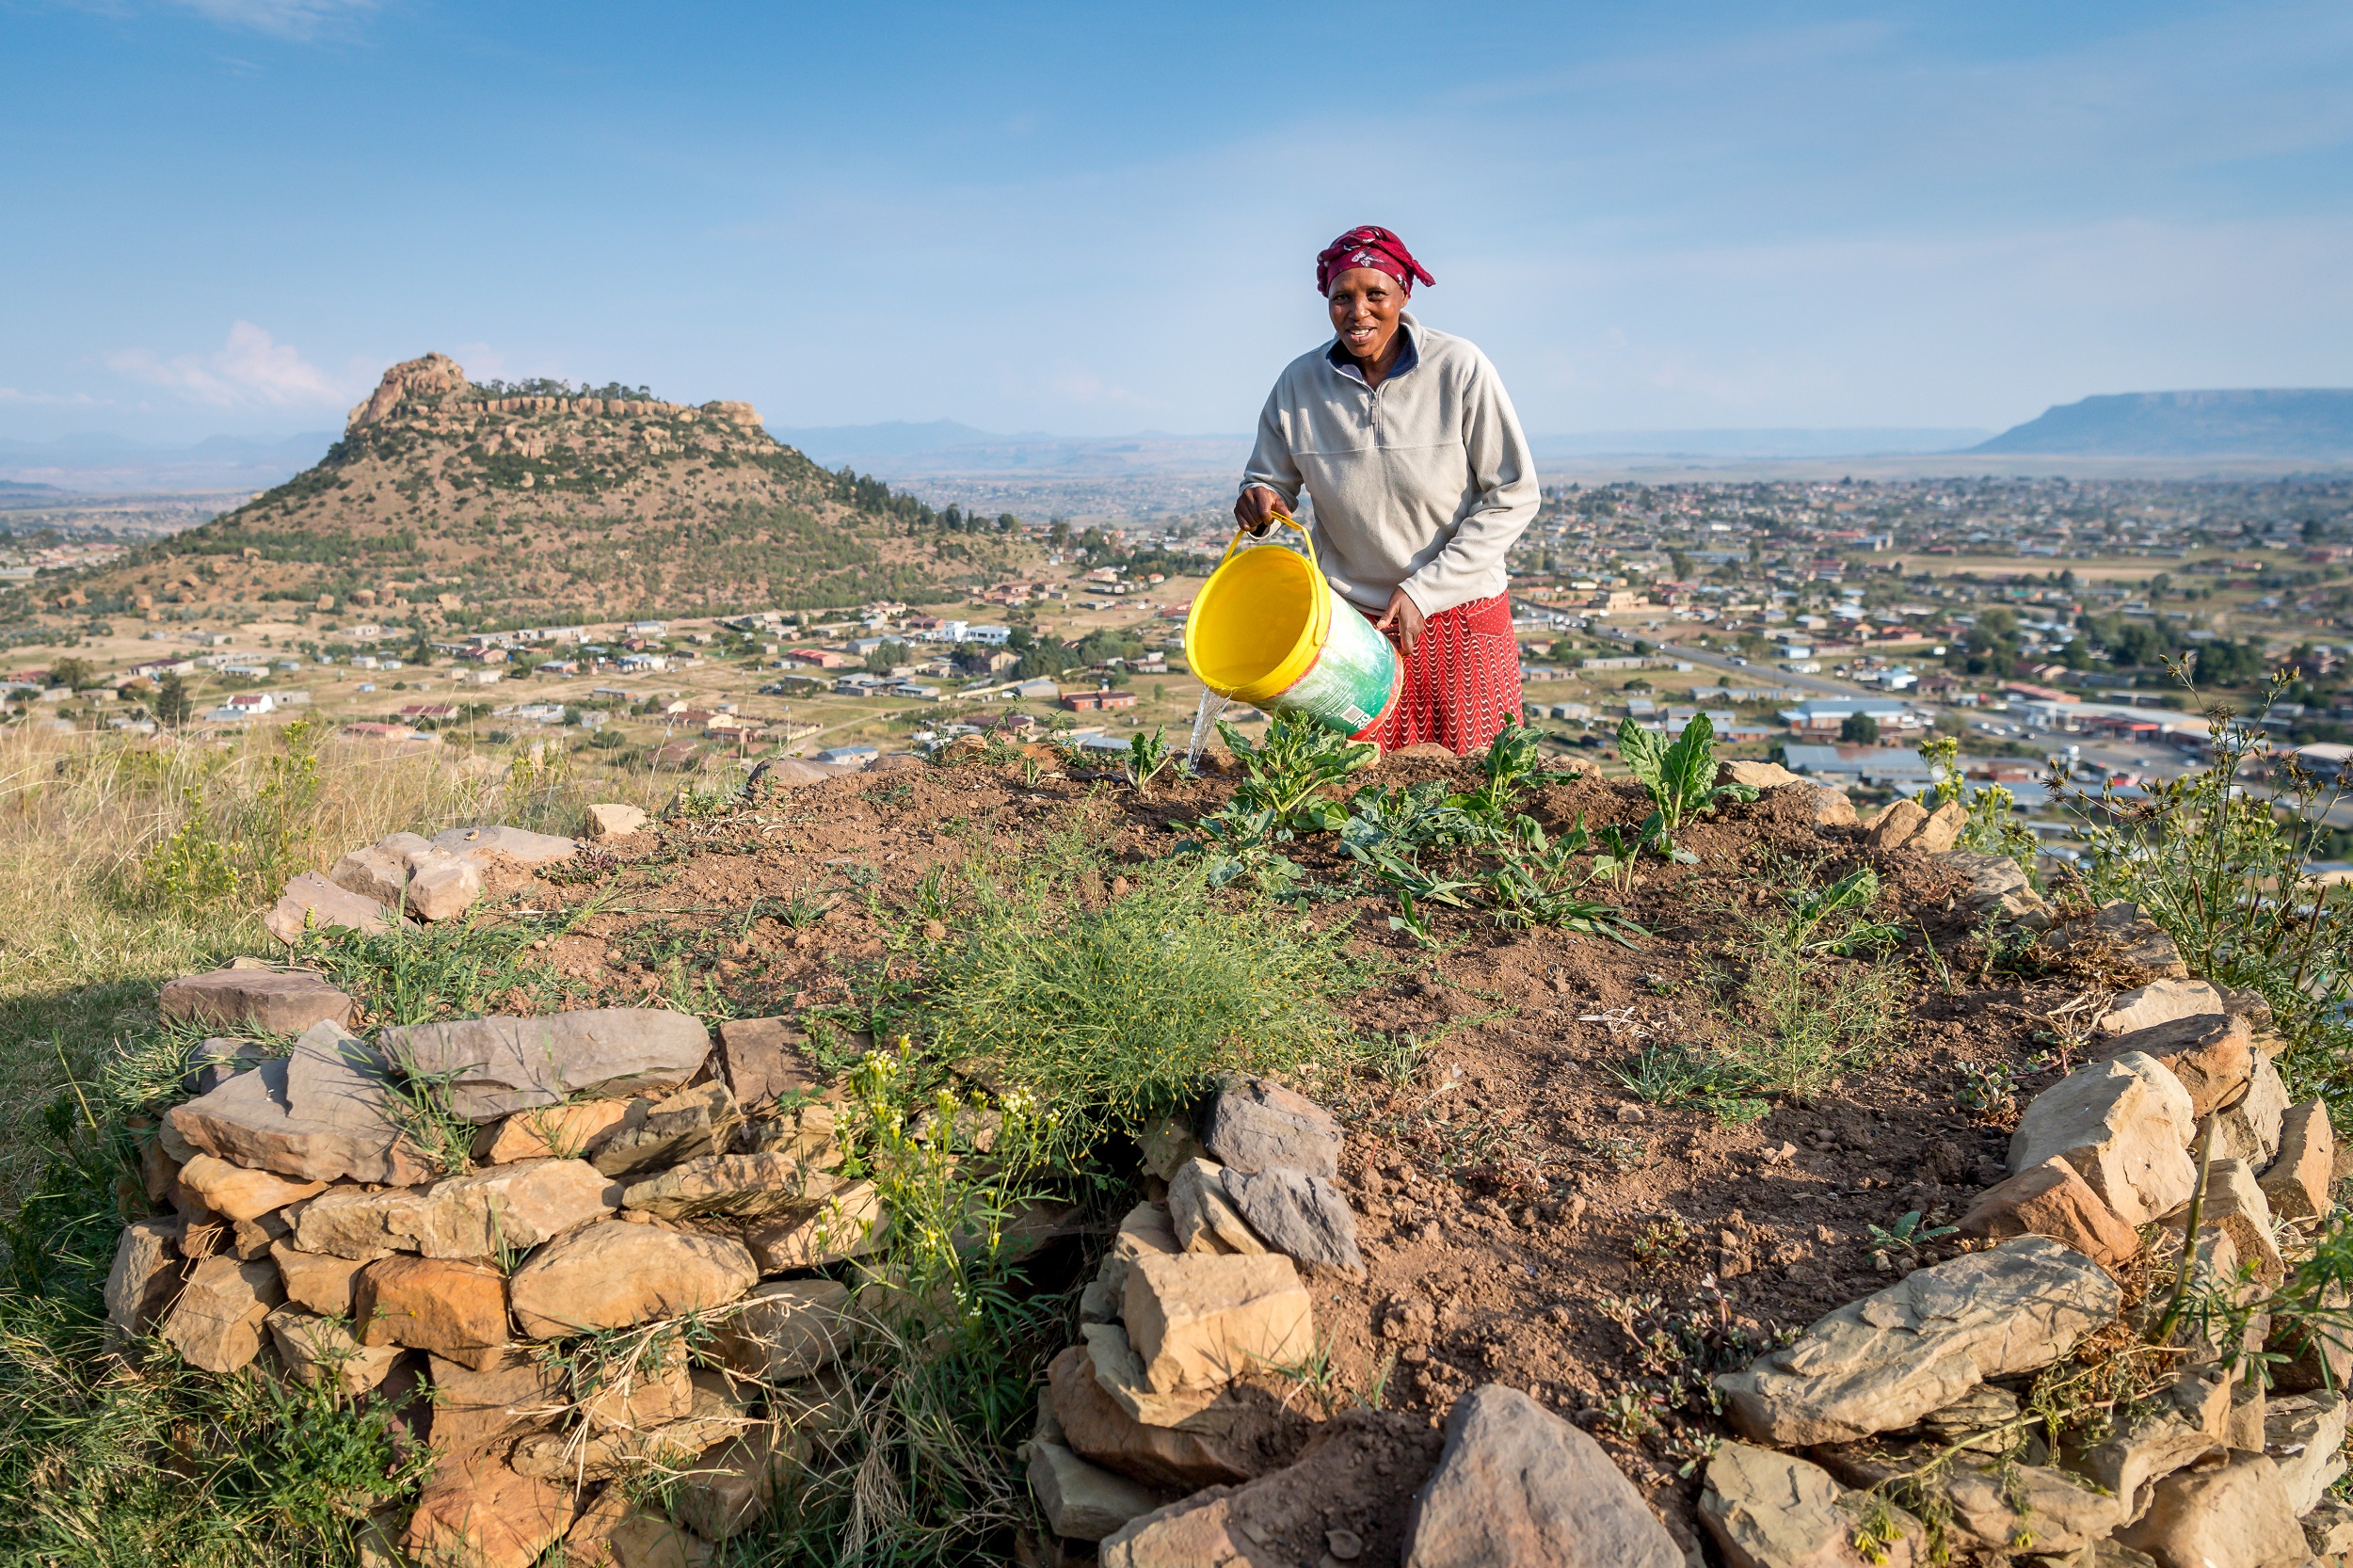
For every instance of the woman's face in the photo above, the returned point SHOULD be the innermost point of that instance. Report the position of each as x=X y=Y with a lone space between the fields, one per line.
x=1364 y=303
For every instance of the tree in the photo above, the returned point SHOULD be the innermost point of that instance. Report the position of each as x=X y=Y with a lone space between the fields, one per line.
x=1860 y=729
x=1059 y=535
x=173 y=703
x=76 y=673
x=883 y=659
x=1682 y=564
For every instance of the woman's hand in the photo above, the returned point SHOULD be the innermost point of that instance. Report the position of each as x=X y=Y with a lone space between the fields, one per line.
x=1256 y=508
x=1401 y=621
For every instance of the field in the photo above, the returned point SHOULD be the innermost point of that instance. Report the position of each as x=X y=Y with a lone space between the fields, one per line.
x=1595 y=1104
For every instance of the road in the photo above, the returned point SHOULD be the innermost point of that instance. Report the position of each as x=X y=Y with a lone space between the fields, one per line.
x=1767 y=675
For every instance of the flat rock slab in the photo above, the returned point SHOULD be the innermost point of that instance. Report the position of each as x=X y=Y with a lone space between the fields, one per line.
x=555 y=1132
x=474 y=1407
x=785 y=1330
x=456 y=1310
x=514 y=1206
x=2160 y=1001
x=692 y=1124
x=763 y=1058
x=2304 y=1435
x=2051 y=1200
x=518 y=844
x=1257 y=1126
x=144 y=1279
x=2296 y=1185
x=613 y=819
x=2124 y=1126
x=319 y=1349
x=311 y=902
x=1204 y=1218
x=2237 y=1515
x=846 y=1223
x=323 y=1112
x=613 y=1275
x=495 y=1066
x=1516 y=1484
x=1891 y=1359
x=316 y=1280
x=1300 y=1215
x=477 y=1512
x=216 y=1322
x=271 y=1001
x=1768 y=1509
x=736 y=1186
x=1084 y=1501
x=235 y=1193
x=1199 y=1320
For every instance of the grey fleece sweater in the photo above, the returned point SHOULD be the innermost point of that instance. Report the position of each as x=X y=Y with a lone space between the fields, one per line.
x=1423 y=481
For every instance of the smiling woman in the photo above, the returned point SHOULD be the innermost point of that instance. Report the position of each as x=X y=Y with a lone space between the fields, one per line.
x=1406 y=442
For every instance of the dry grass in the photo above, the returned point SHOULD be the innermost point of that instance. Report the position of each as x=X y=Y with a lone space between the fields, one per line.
x=123 y=863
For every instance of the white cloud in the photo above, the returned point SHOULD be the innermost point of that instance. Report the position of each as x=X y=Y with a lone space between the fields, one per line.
x=292 y=19
x=13 y=394
x=251 y=370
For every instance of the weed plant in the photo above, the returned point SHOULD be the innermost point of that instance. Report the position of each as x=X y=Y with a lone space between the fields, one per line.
x=2226 y=868
x=1990 y=828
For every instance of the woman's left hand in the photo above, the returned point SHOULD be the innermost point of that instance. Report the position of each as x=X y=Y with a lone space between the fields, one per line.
x=1401 y=621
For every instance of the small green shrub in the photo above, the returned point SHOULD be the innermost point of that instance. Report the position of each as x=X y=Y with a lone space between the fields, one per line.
x=1680 y=779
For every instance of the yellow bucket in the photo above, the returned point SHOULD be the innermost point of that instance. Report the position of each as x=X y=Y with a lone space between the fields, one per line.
x=1266 y=629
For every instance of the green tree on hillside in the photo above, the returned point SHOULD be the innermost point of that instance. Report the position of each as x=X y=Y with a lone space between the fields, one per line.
x=172 y=705
x=1859 y=730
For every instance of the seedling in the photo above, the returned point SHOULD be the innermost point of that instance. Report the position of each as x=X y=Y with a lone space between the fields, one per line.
x=1909 y=1235
x=1679 y=778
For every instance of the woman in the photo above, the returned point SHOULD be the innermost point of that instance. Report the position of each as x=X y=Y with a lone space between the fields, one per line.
x=1421 y=480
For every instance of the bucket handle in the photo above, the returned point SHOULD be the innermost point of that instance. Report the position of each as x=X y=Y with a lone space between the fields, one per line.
x=1305 y=540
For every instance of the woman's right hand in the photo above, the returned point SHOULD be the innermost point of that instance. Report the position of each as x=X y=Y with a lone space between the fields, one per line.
x=1257 y=509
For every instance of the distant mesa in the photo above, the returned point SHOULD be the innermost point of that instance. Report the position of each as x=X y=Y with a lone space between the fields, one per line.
x=437 y=381
x=2314 y=424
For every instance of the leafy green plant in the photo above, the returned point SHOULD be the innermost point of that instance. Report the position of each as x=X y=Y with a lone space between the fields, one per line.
x=1813 y=908
x=1535 y=882
x=1908 y=1234
x=1672 y=1075
x=2228 y=872
x=1287 y=774
x=1680 y=779
x=1148 y=757
x=1618 y=858
x=1990 y=828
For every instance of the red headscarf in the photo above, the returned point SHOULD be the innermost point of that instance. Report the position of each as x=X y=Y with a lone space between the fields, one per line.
x=1368 y=245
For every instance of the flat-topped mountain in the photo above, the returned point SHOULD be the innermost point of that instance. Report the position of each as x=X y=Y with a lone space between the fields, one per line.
x=505 y=506
x=2315 y=424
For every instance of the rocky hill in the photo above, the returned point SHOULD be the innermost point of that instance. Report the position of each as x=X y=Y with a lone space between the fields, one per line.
x=479 y=508
x=2315 y=423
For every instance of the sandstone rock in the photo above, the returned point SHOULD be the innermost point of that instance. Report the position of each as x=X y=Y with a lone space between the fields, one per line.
x=1094 y=1425
x=1992 y=877
x=1832 y=807
x=555 y=1131
x=1257 y=1126
x=1885 y=1361
x=317 y=1280
x=2051 y=1200
x=321 y=1114
x=2328 y=1532
x=805 y=1131
x=2304 y=1435
x=2123 y=1125
x=272 y=1002
x=1082 y=1501
x=635 y=1398
x=2297 y=1186
x=735 y=1186
x=498 y=1065
x=311 y=902
x=584 y=1454
x=2244 y=1429
x=214 y=1061
x=614 y=821
x=1146 y=1229
x=1119 y=1372
x=216 y=1322
x=2212 y=1054
x=786 y=1330
x=443 y=888
x=1303 y=1216
x=236 y=1193
x=476 y=1407
x=692 y=1124
x=846 y=1223
x=1993 y=1505
x=475 y=1513
x=318 y=1349
x=515 y=1205
x=456 y=1310
x=1166 y=1145
x=1203 y=1218
x=2160 y=1001
x=1768 y=1509
x=613 y=1532
x=514 y=843
x=1197 y=1320
x=610 y=1275
x=2183 y=1423
x=2248 y=1126
x=763 y=1058
x=1942 y=830
x=2236 y=1516
x=251 y=1240
x=727 y=1490
x=1518 y=1485
x=1897 y=824
x=1758 y=776
x=2234 y=1206
x=144 y=1279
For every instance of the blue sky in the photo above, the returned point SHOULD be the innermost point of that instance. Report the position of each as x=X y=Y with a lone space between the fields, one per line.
x=230 y=214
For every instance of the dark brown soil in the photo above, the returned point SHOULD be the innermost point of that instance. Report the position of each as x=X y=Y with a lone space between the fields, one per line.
x=1514 y=1186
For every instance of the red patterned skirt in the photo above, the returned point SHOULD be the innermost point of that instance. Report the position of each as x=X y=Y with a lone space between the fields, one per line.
x=1460 y=683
